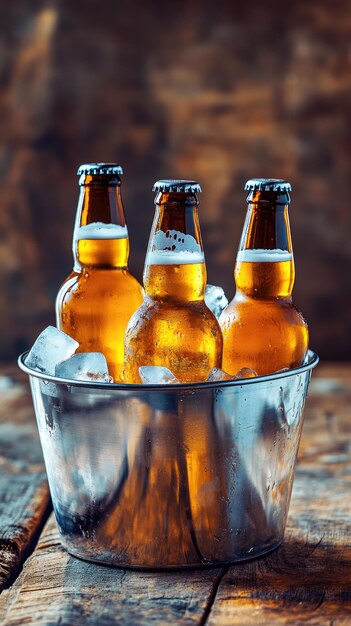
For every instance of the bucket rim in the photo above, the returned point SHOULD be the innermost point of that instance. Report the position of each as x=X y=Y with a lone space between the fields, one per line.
x=311 y=358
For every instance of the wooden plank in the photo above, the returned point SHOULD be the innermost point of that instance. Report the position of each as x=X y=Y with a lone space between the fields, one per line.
x=55 y=588
x=308 y=579
x=24 y=494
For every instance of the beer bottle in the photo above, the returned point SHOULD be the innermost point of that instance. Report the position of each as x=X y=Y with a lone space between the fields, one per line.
x=174 y=327
x=262 y=329
x=97 y=299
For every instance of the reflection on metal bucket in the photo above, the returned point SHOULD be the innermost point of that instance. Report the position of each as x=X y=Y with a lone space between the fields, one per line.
x=171 y=476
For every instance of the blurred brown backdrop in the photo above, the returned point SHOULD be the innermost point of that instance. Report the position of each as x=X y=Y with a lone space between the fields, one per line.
x=216 y=91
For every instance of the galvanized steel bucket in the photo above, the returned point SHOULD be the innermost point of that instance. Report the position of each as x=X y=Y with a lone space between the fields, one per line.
x=165 y=476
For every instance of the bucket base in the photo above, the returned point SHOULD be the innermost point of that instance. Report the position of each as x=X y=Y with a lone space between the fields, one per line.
x=157 y=568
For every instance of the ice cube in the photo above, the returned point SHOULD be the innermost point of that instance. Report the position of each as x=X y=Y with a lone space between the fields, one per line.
x=215 y=299
x=246 y=372
x=90 y=366
x=216 y=374
x=51 y=347
x=157 y=375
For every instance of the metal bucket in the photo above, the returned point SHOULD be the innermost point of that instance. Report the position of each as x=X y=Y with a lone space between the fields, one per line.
x=160 y=476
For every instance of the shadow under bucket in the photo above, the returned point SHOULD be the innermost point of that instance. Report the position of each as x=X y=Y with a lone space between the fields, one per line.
x=168 y=476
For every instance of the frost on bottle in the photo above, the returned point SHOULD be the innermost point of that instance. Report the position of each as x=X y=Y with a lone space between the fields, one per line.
x=262 y=329
x=174 y=327
x=98 y=298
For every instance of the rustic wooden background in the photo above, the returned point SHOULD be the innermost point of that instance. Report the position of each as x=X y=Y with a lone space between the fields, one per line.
x=216 y=91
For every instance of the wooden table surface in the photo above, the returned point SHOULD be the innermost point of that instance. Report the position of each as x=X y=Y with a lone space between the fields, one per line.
x=306 y=581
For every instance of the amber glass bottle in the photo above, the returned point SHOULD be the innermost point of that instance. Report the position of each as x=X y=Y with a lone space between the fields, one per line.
x=262 y=329
x=97 y=299
x=174 y=327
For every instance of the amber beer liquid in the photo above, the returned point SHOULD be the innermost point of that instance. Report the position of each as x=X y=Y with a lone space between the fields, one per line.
x=262 y=329
x=98 y=298
x=174 y=327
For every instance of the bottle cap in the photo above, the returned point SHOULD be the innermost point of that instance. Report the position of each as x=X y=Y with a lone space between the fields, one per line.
x=268 y=184
x=99 y=169
x=177 y=186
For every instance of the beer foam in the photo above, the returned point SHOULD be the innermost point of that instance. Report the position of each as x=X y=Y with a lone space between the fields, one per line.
x=170 y=257
x=100 y=230
x=261 y=255
x=174 y=248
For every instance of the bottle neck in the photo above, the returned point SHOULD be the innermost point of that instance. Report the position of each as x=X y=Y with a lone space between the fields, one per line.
x=265 y=265
x=100 y=237
x=175 y=267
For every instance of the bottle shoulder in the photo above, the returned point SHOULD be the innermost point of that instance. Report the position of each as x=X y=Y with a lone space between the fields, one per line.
x=100 y=282
x=70 y=281
x=193 y=317
x=261 y=313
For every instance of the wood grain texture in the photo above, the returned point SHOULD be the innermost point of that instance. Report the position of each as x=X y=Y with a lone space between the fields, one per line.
x=55 y=588
x=24 y=495
x=306 y=581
